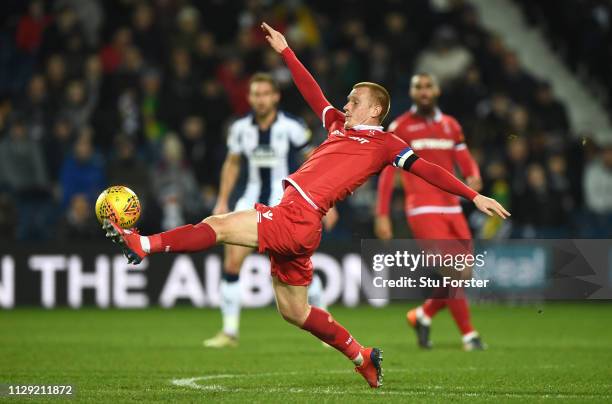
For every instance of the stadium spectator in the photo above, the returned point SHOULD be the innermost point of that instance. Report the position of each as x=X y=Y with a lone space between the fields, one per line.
x=25 y=176
x=539 y=211
x=517 y=155
x=193 y=136
x=62 y=32
x=550 y=114
x=397 y=38
x=598 y=194
x=94 y=80
x=35 y=106
x=31 y=27
x=469 y=92
x=233 y=78
x=21 y=160
x=493 y=127
x=78 y=105
x=90 y=16
x=112 y=55
x=180 y=89
x=175 y=186
x=56 y=79
x=79 y=223
x=514 y=81
x=57 y=146
x=206 y=56
x=519 y=122
x=6 y=107
x=146 y=33
x=446 y=59
x=188 y=26
x=82 y=172
x=150 y=104
x=213 y=103
x=8 y=216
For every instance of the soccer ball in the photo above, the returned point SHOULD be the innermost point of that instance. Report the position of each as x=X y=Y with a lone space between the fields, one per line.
x=120 y=205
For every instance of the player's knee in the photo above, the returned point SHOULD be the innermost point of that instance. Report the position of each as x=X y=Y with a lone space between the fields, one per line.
x=291 y=317
x=218 y=224
x=293 y=314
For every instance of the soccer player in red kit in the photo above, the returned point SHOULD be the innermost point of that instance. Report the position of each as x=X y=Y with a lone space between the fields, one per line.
x=290 y=232
x=431 y=212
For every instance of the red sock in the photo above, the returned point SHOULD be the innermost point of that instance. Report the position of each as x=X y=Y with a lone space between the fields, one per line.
x=322 y=325
x=188 y=238
x=432 y=306
x=458 y=306
x=436 y=303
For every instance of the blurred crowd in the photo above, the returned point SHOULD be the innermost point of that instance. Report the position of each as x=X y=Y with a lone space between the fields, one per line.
x=581 y=32
x=136 y=92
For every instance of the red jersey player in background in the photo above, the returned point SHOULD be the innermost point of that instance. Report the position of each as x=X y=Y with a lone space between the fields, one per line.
x=432 y=213
x=290 y=232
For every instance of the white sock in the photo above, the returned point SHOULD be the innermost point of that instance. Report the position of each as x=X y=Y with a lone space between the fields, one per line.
x=358 y=360
x=145 y=244
x=315 y=293
x=467 y=337
x=230 y=307
x=422 y=317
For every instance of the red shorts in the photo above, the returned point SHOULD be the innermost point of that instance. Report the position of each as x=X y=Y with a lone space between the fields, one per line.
x=289 y=232
x=439 y=226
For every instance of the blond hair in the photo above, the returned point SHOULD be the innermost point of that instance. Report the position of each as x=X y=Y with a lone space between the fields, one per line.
x=266 y=78
x=380 y=95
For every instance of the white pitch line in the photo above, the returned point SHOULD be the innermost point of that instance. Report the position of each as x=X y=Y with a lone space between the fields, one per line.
x=191 y=382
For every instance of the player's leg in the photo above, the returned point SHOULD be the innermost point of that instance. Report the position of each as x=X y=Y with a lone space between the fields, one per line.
x=230 y=297
x=292 y=303
x=427 y=227
x=239 y=228
x=430 y=227
x=315 y=296
x=457 y=301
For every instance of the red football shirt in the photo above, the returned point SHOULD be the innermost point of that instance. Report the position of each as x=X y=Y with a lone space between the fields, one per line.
x=440 y=140
x=350 y=156
x=344 y=161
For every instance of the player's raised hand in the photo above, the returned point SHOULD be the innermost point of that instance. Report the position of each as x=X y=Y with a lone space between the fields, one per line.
x=275 y=38
x=490 y=206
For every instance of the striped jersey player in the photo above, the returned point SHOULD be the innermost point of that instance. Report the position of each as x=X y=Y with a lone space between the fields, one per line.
x=268 y=154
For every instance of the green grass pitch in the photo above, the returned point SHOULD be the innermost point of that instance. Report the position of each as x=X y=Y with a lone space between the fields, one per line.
x=549 y=353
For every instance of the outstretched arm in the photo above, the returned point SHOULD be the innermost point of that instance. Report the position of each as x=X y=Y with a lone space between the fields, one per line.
x=304 y=81
x=444 y=180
